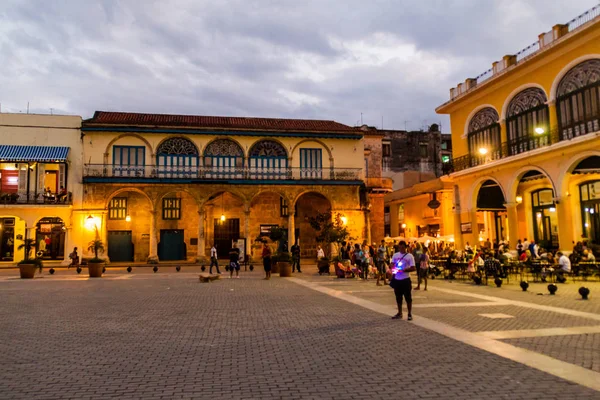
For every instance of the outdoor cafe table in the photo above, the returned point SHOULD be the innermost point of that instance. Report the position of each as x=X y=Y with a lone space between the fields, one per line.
x=585 y=269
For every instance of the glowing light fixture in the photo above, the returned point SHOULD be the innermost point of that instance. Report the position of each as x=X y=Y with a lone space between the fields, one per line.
x=403 y=226
x=128 y=218
x=591 y=210
x=519 y=199
x=344 y=220
x=539 y=215
x=552 y=209
x=539 y=130
x=483 y=151
x=89 y=222
x=222 y=217
x=587 y=225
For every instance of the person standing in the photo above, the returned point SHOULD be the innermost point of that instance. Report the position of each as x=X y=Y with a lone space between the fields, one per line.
x=296 y=257
x=214 y=259
x=423 y=268
x=381 y=260
x=320 y=252
x=266 y=255
x=402 y=264
x=234 y=261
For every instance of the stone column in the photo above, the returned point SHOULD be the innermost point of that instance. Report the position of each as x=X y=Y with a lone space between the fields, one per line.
x=68 y=245
x=503 y=136
x=153 y=256
x=247 y=230
x=291 y=229
x=201 y=240
x=513 y=223
x=394 y=231
x=103 y=234
x=566 y=235
x=368 y=226
x=552 y=115
x=458 y=237
x=210 y=224
x=474 y=229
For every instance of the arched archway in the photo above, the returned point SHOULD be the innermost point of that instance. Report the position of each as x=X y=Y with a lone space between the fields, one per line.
x=226 y=220
x=268 y=209
x=532 y=192
x=50 y=238
x=490 y=212
x=177 y=225
x=307 y=205
x=129 y=226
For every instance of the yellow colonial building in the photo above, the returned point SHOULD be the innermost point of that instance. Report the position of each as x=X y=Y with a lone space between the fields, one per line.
x=526 y=142
x=168 y=187
x=40 y=185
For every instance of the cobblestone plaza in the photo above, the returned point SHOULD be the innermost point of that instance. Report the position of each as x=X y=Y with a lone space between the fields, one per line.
x=165 y=335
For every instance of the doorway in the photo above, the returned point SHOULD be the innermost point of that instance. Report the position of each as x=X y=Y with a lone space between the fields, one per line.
x=172 y=245
x=120 y=246
x=225 y=232
x=50 y=238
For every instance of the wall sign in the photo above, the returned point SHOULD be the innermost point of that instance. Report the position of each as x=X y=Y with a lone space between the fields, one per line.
x=466 y=228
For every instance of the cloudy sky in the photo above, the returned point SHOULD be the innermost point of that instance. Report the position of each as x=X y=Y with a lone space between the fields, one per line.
x=322 y=59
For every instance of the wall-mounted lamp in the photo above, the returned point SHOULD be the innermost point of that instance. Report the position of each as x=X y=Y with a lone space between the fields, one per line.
x=222 y=217
x=128 y=218
x=344 y=220
x=519 y=199
x=552 y=209
x=89 y=222
x=539 y=130
x=483 y=151
x=403 y=226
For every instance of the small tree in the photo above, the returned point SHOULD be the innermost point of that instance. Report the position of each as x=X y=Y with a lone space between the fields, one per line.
x=96 y=246
x=330 y=229
x=279 y=235
x=28 y=245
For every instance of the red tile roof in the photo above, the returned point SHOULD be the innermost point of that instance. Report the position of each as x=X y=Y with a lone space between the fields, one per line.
x=199 y=121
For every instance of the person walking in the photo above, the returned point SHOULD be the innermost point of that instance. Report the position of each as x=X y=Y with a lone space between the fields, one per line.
x=266 y=256
x=234 y=261
x=402 y=264
x=296 y=257
x=74 y=258
x=381 y=260
x=214 y=260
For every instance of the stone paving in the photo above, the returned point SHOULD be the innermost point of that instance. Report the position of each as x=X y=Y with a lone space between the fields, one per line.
x=165 y=335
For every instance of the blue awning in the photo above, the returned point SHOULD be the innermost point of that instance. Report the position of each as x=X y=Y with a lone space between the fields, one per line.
x=10 y=153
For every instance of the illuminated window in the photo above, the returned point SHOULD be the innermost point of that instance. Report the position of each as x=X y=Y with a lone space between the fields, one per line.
x=171 y=208
x=117 y=208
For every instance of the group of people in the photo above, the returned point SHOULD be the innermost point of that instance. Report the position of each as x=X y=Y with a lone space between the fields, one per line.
x=234 y=261
x=58 y=198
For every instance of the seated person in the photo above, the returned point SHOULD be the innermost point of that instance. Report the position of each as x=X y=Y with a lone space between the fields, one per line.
x=588 y=256
x=62 y=194
x=564 y=265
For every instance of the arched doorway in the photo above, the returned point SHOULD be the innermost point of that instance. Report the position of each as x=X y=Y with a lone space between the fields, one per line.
x=7 y=238
x=491 y=213
x=225 y=221
x=50 y=238
x=309 y=205
x=589 y=197
x=128 y=226
x=177 y=222
x=267 y=210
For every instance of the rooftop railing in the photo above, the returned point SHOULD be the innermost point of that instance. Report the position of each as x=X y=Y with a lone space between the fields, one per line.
x=544 y=40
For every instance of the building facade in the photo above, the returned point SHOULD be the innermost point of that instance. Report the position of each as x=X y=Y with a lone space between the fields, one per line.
x=525 y=138
x=40 y=184
x=168 y=187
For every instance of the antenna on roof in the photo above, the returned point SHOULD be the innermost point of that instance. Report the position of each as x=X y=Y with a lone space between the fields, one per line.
x=382 y=122
x=361 y=120
x=27 y=107
x=51 y=113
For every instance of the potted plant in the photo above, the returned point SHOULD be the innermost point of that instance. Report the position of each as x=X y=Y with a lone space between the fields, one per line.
x=28 y=266
x=284 y=266
x=330 y=229
x=96 y=264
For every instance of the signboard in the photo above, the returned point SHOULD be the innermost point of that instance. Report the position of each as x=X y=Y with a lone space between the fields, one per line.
x=466 y=228
x=241 y=244
x=265 y=230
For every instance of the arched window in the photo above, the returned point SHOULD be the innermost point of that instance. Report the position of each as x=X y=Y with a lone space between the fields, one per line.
x=527 y=121
x=268 y=160
x=578 y=100
x=484 y=136
x=223 y=159
x=177 y=158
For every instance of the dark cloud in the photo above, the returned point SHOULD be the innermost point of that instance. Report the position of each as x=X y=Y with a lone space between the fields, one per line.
x=329 y=59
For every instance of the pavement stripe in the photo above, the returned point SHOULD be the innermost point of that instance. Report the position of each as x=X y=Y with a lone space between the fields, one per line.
x=561 y=369
x=471 y=304
x=528 y=333
x=558 y=310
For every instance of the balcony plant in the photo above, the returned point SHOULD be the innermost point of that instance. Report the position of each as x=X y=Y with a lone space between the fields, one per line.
x=28 y=266
x=96 y=264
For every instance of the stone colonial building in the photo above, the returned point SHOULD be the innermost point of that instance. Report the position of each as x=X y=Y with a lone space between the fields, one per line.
x=169 y=186
x=40 y=184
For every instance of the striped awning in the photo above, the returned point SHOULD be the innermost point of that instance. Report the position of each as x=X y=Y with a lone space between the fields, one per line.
x=9 y=153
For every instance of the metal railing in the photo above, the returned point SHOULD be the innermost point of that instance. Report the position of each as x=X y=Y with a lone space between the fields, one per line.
x=163 y=173
x=507 y=149
x=32 y=198
x=533 y=48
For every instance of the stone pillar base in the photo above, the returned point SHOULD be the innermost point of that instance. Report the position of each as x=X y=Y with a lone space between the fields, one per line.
x=152 y=260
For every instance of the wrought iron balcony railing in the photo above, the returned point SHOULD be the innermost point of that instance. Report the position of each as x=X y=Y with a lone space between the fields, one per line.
x=35 y=199
x=508 y=149
x=164 y=173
